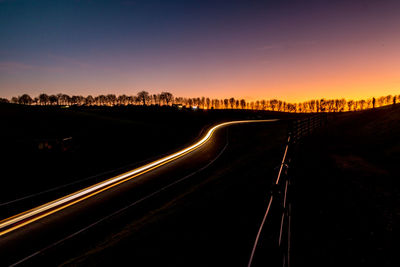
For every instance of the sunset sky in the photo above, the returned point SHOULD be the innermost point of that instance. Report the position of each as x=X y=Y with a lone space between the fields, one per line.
x=291 y=50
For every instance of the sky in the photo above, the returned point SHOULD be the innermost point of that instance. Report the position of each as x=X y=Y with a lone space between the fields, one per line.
x=290 y=50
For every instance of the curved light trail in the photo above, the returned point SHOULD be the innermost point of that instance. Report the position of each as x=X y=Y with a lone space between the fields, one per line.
x=27 y=217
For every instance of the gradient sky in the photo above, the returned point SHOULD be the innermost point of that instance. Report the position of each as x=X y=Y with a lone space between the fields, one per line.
x=291 y=50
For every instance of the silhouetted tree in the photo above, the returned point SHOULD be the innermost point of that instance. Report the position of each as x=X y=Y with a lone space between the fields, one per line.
x=43 y=99
x=130 y=100
x=217 y=103
x=322 y=105
x=111 y=99
x=121 y=100
x=59 y=96
x=156 y=99
x=291 y=107
x=381 y=101
x=64 y=99
x=74 y=100
x=166 y=97
x=137 y=100
x=226 y=103
x=232 y=102
x=202 y=102
x=263 y=104
x=53 y=99
x=243 y=103
x=208 y=102
x=25 y=99
x=143 y=97
x=362 y=104
x=389 y=100
x=273 y=103
x=341 y=105
x=350 y=104
x=89 y=100
x=369 y=103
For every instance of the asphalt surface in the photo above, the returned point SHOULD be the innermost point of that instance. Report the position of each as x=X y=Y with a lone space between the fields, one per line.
x=95 y=231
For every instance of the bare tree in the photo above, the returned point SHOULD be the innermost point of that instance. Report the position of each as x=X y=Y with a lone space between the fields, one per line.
x=64 y=99
x=362 y=104
x=226 y=103
x=166 y=97
x=59 y=96
x=121 y=100
x=350 y=104
x=263 y=104
x=89 y=100
x=243 y=103
x=25 y=99
x=4 y=100
x=155 y=99
x=130 y=100
x=43 y=99
x=291 y=107
x=322 y=105
x=53 y=99
x=232 y=102
x=111 y=99
x=208 y=103
x=202 y=102
x=143 y=97
x=273 y=103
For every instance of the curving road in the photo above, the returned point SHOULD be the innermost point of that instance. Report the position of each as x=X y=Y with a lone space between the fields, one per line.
x=76 y=211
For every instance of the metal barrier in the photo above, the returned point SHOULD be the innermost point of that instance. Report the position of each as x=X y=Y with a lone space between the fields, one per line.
x=279 y=197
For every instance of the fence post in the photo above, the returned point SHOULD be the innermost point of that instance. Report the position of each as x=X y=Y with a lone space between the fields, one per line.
x=281 y=190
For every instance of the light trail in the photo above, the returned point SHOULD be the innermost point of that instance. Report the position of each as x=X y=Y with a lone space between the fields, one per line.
x=27 y=217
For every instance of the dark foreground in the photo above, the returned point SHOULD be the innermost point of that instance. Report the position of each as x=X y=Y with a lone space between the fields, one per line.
x=210 y=218
x=345 y=205
x=101 y=142
x=348 y=199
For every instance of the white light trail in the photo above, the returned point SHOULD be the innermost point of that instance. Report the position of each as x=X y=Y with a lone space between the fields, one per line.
x=24 y=218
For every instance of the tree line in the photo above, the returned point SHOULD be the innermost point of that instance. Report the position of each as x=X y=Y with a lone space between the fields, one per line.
x=167 y=99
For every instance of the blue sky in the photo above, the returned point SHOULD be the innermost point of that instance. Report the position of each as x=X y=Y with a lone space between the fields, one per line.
x=252 y=49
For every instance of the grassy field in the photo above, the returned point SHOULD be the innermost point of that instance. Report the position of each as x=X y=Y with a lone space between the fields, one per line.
x=347 y=205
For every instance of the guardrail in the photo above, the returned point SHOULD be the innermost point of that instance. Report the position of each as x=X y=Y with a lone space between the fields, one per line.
x=279 y=202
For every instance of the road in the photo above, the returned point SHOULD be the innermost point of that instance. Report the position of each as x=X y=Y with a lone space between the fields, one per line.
x=44 y=227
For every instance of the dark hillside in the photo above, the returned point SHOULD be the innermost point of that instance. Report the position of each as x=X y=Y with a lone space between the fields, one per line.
x=347 y=192
x=44 y=147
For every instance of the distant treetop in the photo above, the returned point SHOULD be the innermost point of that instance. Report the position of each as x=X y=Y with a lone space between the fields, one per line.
x=167 y=99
